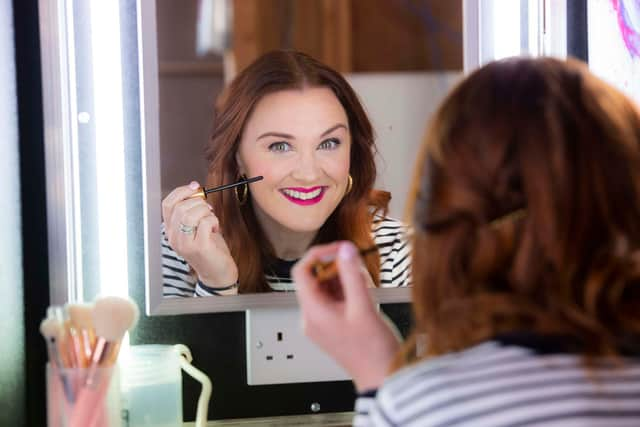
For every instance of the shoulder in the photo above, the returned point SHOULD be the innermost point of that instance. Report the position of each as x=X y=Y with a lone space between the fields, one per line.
x=384 y=225
x=428 y=390
x=497 y=384
x=387 y=231
x=391 y=236
x=441 y=366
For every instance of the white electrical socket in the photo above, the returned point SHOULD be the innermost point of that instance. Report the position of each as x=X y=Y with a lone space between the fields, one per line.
x=279 y=353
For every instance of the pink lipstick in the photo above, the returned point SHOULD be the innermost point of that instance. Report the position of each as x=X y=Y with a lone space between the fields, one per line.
x=304 y=196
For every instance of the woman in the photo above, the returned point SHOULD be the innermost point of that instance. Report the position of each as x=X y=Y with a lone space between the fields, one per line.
x=527 y=309
x=299 y=124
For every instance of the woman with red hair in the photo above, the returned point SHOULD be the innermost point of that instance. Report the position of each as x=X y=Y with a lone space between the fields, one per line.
x=526 y=263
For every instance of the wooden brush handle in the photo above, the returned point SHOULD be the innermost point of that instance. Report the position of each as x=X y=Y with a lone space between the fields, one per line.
x=324 y=271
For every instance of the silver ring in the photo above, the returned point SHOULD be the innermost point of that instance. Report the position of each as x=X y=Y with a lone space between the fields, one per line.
x=187 y=229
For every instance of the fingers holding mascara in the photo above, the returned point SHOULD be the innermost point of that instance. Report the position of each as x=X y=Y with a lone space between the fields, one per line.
x=176 y=196
x=208 y=224
x=182 y=226
x=193 y=231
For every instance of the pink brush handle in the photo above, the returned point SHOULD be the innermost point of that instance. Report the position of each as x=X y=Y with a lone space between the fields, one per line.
x=90 y=408
x=58 y=403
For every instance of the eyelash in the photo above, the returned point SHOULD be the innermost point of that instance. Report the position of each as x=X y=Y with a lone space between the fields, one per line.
x=273 y=146
x=283 y=147
x=335 y=143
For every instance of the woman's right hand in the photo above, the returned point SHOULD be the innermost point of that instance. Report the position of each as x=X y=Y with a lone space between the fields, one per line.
x=204 y=249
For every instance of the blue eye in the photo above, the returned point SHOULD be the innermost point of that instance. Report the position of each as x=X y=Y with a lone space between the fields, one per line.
x=329 y=144
x=279 y=146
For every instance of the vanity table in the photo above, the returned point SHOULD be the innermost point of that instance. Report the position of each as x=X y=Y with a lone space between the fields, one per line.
x=337 y=419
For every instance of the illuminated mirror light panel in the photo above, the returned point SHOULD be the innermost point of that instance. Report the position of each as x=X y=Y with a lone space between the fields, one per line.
x=109 y=131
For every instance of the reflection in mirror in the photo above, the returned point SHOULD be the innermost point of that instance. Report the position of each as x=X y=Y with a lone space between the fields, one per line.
x=306 y=129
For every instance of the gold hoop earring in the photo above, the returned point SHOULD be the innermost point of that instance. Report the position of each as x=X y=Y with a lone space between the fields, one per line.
x=349 y=185
x=242 y=191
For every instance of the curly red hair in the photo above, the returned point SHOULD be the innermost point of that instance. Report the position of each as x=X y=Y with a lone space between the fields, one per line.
x=547 y=140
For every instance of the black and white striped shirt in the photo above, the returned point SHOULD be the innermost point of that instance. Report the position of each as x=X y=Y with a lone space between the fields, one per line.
x=498 y=384
x=389 y=235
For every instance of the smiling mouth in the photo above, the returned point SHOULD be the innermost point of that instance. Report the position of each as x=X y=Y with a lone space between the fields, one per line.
x=303 y=196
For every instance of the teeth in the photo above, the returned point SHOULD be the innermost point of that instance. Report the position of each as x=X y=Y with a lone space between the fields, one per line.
x=302 y=196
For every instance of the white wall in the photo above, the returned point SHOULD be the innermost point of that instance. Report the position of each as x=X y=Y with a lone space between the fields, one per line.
x=400 y=106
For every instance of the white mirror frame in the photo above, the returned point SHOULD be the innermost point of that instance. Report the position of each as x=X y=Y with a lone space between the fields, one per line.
x=59 y=108
x=63 y=23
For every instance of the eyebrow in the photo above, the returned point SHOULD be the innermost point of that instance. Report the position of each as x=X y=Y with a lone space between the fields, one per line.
x=276 y=134
x=287 y=136
x=331 y=129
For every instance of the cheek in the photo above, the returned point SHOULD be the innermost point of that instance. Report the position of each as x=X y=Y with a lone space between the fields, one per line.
x=338 y=168
x=257 y=164
x=272 y=171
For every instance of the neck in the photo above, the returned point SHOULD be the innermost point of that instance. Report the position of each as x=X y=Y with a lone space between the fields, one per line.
x=288 y=244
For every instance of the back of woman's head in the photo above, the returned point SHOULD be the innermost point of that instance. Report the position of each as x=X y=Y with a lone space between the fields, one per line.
x=277 y=71
x=527 y=210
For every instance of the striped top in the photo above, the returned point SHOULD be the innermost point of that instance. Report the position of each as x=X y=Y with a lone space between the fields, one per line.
x=389 y=235
x=500 y=384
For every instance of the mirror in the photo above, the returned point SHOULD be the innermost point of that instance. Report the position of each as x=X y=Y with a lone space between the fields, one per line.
x=401 y=58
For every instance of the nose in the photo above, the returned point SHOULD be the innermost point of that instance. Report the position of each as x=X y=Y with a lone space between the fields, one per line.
x=307 y=168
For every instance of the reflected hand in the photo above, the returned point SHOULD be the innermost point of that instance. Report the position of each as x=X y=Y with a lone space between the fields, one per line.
x=193 y=231
x=341 y=317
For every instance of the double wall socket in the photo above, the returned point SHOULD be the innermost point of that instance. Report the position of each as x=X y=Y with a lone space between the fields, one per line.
x=278 y=352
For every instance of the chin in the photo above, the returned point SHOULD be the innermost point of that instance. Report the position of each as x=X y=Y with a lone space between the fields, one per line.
x=304 y=226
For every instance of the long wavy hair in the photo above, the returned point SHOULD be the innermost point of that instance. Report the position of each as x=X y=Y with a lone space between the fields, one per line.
x=249 y=246
x=527 y=212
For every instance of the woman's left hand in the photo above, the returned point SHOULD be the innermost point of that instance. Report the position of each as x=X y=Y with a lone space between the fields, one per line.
x=341 y=318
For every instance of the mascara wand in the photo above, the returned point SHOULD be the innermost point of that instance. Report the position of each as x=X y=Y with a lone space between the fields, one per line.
x=204 y=191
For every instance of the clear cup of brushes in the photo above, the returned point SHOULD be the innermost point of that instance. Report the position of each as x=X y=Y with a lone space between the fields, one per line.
x=83 y=342
x=82 y=397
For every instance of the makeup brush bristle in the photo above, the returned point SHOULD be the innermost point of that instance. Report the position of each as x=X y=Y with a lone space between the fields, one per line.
x=55 y=312
x=50 y=328
x=113 y=316
x=81 y=315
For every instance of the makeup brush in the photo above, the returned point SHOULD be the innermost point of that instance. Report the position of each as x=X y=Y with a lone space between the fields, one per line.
x=72 y=332
x=204 y=191
x=81 y=317
x=325 y=271
x=65 y=351
x=112 y=317
x=51 y=329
